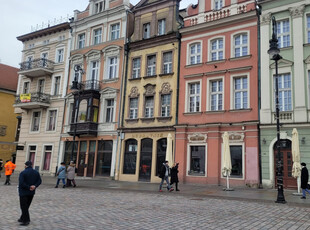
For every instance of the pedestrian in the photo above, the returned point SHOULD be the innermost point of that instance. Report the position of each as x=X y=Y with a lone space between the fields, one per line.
x=71 y=175
x=61 y=174
x=1 y=166
x=29 y=180
x=174 y=176
x=164 y=175
x=9 y=169
x=304 y=180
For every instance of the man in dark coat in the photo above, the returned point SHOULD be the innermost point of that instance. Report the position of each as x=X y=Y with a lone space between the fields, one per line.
x=29 y=180
x=164 y=175
x=174 y=176
x=304 y=180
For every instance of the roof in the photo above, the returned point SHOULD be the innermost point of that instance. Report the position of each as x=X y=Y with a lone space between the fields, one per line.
x=8 y=77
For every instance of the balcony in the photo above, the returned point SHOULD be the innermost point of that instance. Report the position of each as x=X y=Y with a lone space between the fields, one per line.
x=36 y=68
x=32 y=101
x=93 y=85
x=85 y=128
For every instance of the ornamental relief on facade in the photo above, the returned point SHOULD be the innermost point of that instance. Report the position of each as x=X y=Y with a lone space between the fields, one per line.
x=149 y=90
x=165 y=88
x=197 y=138
x=297 y=11
x=134 y=92
x=3 y=130
x=265 y=19
x=235 y=137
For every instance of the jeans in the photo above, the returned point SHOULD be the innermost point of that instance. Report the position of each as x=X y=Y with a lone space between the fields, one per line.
x=304 y=192
x=63 y=181
x=162 y=181
x=25 y=202
x=7 y=181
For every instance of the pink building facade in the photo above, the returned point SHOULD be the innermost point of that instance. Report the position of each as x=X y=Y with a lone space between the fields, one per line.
x=218 y=92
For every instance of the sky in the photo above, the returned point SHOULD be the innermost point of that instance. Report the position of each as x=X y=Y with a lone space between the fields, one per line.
x=19 y=16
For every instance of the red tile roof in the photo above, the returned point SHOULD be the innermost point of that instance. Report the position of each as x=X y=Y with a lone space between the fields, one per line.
x=8 y=77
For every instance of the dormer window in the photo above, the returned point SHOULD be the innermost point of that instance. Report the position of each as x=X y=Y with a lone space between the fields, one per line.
x=146 y=30
x=99 y=7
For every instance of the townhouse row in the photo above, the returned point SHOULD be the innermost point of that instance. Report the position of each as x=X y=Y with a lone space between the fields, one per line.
x=109 y=88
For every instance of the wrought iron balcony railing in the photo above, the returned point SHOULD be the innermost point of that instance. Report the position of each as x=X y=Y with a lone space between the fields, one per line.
x=37 y=63
x=90 y=85
x=85 y=128
x=32 y=100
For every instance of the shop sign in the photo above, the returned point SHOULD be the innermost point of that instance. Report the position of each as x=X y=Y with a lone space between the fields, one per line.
x=26 y=97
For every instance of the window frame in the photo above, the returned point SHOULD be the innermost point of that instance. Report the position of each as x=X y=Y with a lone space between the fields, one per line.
x=26 y=88
x=234 y=46
x=114 y=66
x=282 y=90
x=146 y=30
x=44 y=150
x=41 y=88
x=188 y=165
x=149 y=109
x=169 y=63
x=151 y=67
x=33 y=120
x=97 y=38
x=197 y=55
x=56 y=86
x=81 y=40
x=136 y=70
x=135 y=109
x=215 y=6
x=233 y=90
x=281 y=34
x=94 y=70
x=166 y=107
x=48 y=120
x=218 y=50
x=111 y=108
x=161 y=27
x=59 y=57
x=208 y=92
x=188 y=83
x=115 y=31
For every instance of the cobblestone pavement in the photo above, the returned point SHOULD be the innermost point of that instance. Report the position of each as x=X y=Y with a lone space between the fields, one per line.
x=99 y=208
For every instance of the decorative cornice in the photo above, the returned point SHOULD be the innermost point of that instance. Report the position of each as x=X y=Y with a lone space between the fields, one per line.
x=297 y=12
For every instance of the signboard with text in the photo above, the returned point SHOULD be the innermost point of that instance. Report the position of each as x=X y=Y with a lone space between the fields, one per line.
x=26 y=97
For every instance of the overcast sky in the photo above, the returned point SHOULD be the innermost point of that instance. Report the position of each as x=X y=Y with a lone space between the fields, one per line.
x=18 y=16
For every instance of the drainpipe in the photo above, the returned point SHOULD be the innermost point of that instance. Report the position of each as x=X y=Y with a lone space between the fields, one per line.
x=258 y=13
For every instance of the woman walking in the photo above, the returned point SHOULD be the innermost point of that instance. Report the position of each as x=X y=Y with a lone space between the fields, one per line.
x=174 y=175
x=61 y=174
x=71 y=175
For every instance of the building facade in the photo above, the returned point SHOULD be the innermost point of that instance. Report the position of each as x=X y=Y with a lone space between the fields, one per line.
x=92 y=111
x=218 y=93
x=292 y=27
x=40 y=96
x=150 y=101
x=8 y=119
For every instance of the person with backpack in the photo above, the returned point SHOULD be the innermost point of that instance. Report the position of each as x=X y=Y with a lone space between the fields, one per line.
x=61 y=174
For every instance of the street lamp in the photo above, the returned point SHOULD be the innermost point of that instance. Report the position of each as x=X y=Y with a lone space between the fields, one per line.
x=275 y=56
x=75 y=88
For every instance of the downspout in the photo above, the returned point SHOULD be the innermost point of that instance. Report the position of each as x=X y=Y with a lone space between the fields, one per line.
x=122 y=103
x=258 y=13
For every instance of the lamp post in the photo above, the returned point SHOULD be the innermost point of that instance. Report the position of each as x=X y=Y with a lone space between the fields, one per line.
x=275 y=56
x=75 y=88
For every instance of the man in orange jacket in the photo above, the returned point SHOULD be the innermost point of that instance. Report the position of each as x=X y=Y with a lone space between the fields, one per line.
x=9 y=168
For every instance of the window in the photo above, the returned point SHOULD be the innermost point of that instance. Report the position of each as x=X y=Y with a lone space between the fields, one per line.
x=56 y=85
x=285 y=92
x=82 y=110
x=167 y=68
x=81 y=41
x=241 y=45
x=115 y=31
x=217 y=49
x=44 y=59
x=130 y=157
x=194 y=97
x=100 y=6
x=97 y=36
x=94 y=70
x=146 y=30
x=41 y=84
x=51 y=122
x=29 y=62
x=161 y=154
x=283 y=33
x=112 y=67
x=161 y=27
x=151 y=65
x=241 y=93
x=77 y=74
x=236 y=161
x=60 y=56
x=44 y=55
x=133 y=108
x=195 y=54
x=104 y=158
x=197 y=160
x=308 y=28
x=165 y=105
x=149 y=107
x=136 y=68
x=109 y=110
x=36 y=116
x=216 y=95
x=32 y=153
x=47 y=157
x=218 y=4
x=26 y=87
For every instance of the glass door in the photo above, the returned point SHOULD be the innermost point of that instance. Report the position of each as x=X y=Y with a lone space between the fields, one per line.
x=145 y=160
x=91 y=158
x=82 y=154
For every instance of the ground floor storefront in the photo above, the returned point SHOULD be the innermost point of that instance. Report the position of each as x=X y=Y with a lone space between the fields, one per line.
x=199 y=151
x=269 y=155
x=143 y=153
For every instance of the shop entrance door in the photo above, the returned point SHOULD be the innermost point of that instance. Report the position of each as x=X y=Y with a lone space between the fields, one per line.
x=82 y=154
x=145 y=160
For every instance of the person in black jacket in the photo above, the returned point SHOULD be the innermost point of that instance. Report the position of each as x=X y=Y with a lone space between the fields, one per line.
x=29 y=180
x=304 y=180
x=164 y=175
x=174 y=175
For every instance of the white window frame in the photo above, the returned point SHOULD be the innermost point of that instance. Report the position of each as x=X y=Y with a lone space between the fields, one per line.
x=165 y=108
x=282 y=90
x=100 y=6
x=217 y=94
x=54 y=84
x=135 y=109
x=146 y=29
x=188 y=165
x=44 y=55
x=81 y=39
x=115 y=32
x=151 y=68
x=167 y=66
x=32 y=120
x=47 y=119
x=136 y=70
x=307 y=22
x=218 y=4
x=242 y=45
x=28 y=89
x=197 y=55
x=218 y=50
x=234 y=91
x=112 y=67
x=93 y=70
x=187 y=104
x=281 y=34
x=150 y=108
x=208 y=92
x=28 y=153
x=60 y=53
x=43 y=157
x=112 y=110
x=161 y=24
x=97 y=38
x=243 y=158
x=39 y=86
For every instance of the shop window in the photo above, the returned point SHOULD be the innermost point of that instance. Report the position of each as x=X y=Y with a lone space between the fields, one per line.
x=130 y=157
x=197 y=160
x=104 y=158
x=236 y=160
